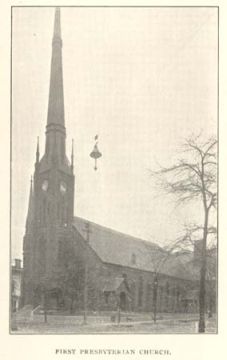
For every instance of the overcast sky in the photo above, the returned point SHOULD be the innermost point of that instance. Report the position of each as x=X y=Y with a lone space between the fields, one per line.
x=143 y=79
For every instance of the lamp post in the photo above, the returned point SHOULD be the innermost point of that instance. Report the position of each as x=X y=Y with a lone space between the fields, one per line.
x=95 y=154
x=87 y=231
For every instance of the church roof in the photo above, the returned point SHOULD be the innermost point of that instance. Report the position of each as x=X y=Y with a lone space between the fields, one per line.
x=120 y=249
x=113 y=284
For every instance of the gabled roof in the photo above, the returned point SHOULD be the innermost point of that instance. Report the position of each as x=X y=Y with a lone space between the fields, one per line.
x=120 y=249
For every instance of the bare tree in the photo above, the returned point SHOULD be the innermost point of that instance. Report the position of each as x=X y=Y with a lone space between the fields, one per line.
x=158 y=265
x=159 y=259
x=193 y=239
x=193 y=178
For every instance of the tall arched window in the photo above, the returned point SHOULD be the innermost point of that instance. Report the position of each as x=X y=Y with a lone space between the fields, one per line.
x=62 y=149
x=160 y=298
x=140 y=292
x=178 y=298
x=42 y=255
x=166 y=295
x=173 y=299
x=148 y=297
x=63 y=212
x=133 y=295
x=44 y=211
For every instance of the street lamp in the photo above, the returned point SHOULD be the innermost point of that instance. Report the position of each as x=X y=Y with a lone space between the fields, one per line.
x=87 y=231
x=95 y=154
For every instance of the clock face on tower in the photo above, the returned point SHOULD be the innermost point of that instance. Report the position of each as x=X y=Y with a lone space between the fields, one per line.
x=45 y=185
x=63 y=187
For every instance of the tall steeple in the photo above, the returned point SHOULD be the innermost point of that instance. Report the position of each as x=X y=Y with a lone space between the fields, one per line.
x=55 y=129
x=51 y=202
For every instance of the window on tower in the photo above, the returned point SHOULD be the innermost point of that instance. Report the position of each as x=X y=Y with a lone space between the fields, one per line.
x=45 y=185
x=63 y=187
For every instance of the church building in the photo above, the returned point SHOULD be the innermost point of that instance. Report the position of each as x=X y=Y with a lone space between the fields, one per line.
x=76 y=264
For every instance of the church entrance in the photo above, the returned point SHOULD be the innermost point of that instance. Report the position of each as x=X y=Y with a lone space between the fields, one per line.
x=122 y=300
x=54 y=298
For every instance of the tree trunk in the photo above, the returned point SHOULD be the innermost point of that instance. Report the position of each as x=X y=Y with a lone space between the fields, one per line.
x=155 y=293
x=85 y=292
x=202 y=290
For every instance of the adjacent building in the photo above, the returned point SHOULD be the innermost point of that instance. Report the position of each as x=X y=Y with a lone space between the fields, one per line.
x=16 y=283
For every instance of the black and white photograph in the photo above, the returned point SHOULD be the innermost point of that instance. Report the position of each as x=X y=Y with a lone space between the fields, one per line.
x=114 y=163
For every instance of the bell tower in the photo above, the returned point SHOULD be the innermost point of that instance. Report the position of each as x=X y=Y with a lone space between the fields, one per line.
x=54 y=179
x=53 y=185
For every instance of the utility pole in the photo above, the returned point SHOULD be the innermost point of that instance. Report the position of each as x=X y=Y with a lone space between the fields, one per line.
x=87 y=231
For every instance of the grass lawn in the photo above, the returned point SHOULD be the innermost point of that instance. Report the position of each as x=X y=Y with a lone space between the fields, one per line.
x=60 y=324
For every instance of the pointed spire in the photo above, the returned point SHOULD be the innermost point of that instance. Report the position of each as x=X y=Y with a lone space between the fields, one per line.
x=57 y=26
x=37 y=151
x=30 y=214
x=56 y=97
x=55 y=129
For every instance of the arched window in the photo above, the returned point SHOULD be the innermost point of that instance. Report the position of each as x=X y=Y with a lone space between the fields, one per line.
x=149 y=297
x=133 y=295
x=44 y=211
x=140 y=292
x=178 y=296
x=14 y=286
x=173 y=298
x=166 y=296
x=42 y=255
x=167 y=288
x=106 y=297
x=160 y=298
x=62 y=149
x=65 y=213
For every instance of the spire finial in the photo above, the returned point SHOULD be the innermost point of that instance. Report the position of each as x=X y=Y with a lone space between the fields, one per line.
x=57 y=24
